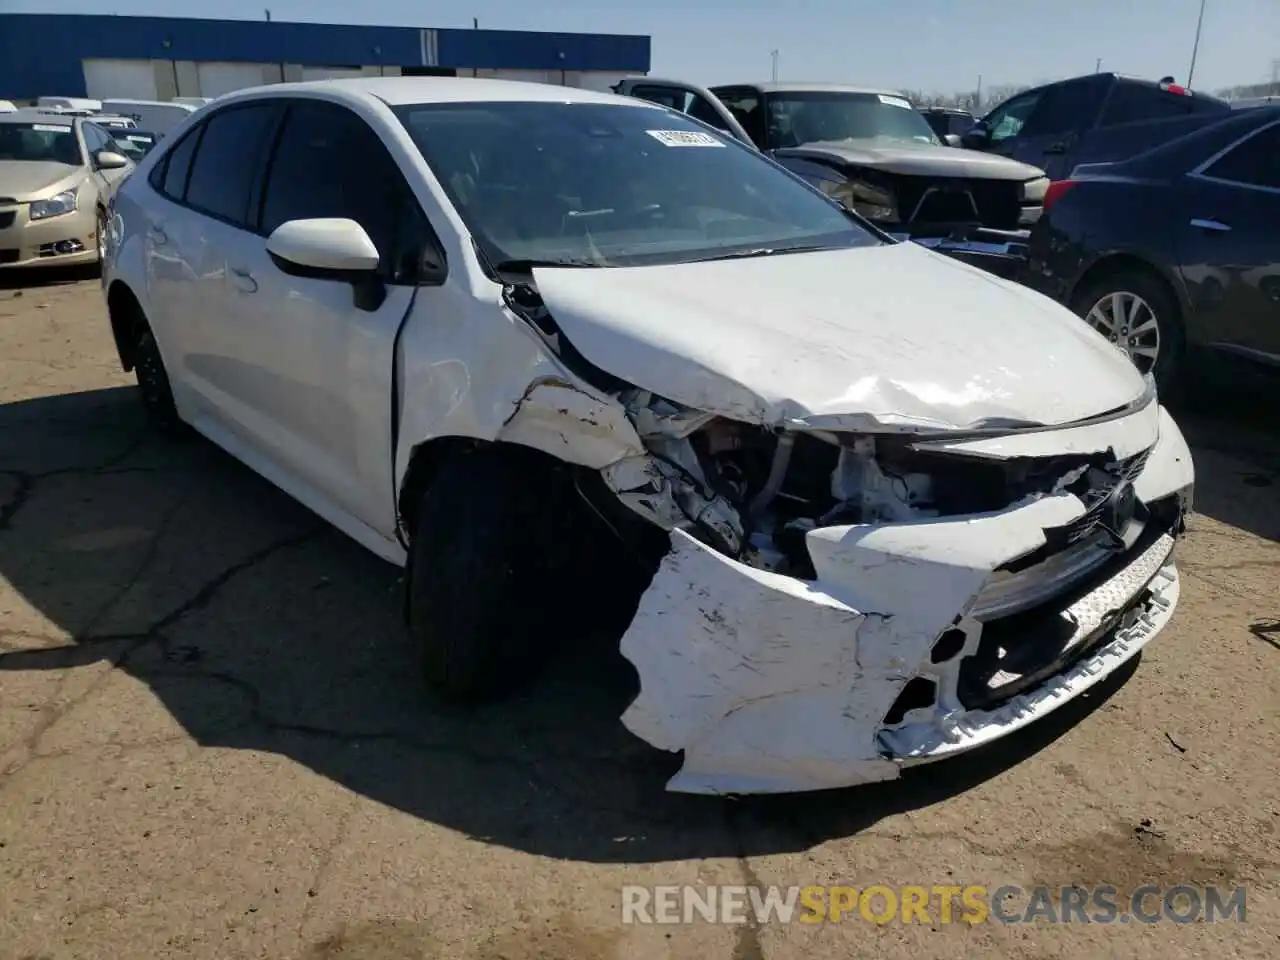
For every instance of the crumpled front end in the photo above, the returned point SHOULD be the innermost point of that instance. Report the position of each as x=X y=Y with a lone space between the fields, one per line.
x=837 y=606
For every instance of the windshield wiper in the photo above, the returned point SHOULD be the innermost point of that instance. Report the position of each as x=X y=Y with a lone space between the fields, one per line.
x=525 y=266
x=764 y=252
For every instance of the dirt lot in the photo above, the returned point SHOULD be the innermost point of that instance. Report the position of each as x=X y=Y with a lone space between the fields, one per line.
x=212 y=742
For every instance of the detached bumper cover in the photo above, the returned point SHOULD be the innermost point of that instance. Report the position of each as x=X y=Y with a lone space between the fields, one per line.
x=770 y=684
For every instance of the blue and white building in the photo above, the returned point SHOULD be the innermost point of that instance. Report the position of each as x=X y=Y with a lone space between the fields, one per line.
x=158 y=58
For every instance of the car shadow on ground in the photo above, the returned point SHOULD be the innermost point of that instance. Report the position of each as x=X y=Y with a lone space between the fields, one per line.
x=23 y=279
x=258 y=627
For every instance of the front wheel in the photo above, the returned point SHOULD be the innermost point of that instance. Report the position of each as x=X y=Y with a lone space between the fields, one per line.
x=1136 y=312
x=485 y=573
x=153 y=385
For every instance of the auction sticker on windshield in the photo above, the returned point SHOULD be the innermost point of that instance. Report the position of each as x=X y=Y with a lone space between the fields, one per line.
x=684 y=138
x=49 y=128
x=895 y=101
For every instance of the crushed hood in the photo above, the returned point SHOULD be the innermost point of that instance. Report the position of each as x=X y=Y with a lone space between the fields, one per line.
x=894 y=337
x=24 y=180
x=916 y=159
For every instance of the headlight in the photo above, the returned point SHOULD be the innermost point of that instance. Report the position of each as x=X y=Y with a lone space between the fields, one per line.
x=1033 y=190
x=54 y=206
x=875 y=203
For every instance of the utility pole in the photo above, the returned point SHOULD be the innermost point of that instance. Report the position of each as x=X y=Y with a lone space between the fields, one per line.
x=1097 y=66
x=1195 y=47
x=774 y=55
x=977 y=97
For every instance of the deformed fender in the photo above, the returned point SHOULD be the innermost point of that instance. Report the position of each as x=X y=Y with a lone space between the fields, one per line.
x=572 y=425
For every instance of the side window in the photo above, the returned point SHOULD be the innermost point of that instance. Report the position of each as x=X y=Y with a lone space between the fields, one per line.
x=94 y=139
x=330 y=163
x=170 y=174
x=1006 y=121
x=228 y=161
x=1131 y=102
x=744 y=104
x=700 y=109
x=1065 y=107
x=1255 y=163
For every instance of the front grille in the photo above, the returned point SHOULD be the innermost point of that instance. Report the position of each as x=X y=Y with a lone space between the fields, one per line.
x=6 y=218
x=927 y=201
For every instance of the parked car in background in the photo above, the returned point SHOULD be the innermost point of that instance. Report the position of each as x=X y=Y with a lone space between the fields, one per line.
x=1248 y=102
x=949 y=124
x=82 y=106
x=7 y=106
x=872 y=151
x=57 y=177
x=192 y=101
x=158 y=116
x=1174 y=255
x=585 y=366
x=1099 y=117
x=111 y=121
x=136 y=143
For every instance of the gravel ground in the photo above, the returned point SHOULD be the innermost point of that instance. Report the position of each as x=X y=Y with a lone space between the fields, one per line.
x=212 y=742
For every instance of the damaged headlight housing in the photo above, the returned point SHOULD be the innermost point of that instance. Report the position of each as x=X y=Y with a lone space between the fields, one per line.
x=865 y=199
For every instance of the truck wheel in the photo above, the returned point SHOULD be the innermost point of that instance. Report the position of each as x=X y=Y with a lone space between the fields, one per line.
x=1138 y=313
x=153 y=385
x=484 y=570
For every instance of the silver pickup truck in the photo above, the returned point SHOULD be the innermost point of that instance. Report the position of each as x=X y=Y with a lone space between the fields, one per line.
x=875 y=153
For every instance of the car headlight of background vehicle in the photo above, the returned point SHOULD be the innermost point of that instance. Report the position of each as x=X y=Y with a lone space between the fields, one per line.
x=865 y=199
x=54 y=206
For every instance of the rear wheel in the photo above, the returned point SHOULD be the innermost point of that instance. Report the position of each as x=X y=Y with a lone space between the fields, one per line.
x=1135 y=310
x=153 y=385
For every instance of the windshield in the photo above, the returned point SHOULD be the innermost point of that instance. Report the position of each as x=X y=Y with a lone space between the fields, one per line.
x=799 y=117
x=616 y=185
x=39 y=142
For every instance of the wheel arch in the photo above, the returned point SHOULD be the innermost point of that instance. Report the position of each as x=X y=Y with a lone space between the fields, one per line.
x=1122 y=261
x=128 y=320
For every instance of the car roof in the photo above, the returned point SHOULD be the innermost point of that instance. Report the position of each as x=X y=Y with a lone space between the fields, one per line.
x=397 y=91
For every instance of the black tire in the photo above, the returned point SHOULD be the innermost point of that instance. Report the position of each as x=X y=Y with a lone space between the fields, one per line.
x=1168 y=368
x=484 y=571
x=154 y=388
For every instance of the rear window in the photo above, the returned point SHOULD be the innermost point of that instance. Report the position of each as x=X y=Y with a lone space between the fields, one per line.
x=1134 y=102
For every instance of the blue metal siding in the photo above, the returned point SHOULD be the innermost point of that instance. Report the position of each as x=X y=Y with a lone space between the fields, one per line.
x=33 y=64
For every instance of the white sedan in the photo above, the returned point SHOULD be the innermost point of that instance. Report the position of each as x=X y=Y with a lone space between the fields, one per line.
x=579 y=361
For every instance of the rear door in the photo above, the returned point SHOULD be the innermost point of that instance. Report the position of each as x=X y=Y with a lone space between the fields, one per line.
x=1230 y=248
x=697 y=102
x=1062 y=112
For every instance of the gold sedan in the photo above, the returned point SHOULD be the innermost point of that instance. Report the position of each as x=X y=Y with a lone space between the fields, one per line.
x=57 y=176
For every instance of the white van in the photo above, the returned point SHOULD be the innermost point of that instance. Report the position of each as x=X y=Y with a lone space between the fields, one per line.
x=7 y=106
x=158 y=116
x=80 y=105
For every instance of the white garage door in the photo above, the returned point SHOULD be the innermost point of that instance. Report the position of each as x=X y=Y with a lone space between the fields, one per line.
x=219 y=78
x=120 y=79
x=330 y=73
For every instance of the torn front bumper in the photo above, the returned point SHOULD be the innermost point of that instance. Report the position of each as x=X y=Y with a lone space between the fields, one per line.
x=771 y=684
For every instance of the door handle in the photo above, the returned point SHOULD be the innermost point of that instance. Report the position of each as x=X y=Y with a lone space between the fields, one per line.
x=243 y=280
x=158 y=235
x=1212 y=225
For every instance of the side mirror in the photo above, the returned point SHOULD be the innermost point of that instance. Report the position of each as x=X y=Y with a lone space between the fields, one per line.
x=330 y=249
x=110 y=160
x=952 y=140
x=977 y=137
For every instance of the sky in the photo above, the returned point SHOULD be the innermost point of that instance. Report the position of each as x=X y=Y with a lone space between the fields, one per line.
x=929 y=45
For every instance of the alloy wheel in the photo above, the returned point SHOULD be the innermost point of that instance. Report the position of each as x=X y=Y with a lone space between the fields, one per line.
x=1131 y=324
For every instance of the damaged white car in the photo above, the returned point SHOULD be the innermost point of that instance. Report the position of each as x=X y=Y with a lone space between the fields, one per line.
x=579 y=363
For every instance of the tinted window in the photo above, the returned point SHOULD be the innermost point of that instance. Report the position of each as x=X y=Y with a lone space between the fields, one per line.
x=1065 y=107
x=170 y=175
x=1131 y=102
x=329 y=163
x=666 y=96
x=227 y=161
x=612 y=184
x=1255 y=162
x=744 y=104
x=1007 y=120
x=700 y=109
x=94 y=138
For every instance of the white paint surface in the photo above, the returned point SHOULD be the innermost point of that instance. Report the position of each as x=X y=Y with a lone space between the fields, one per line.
x=107 y=79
